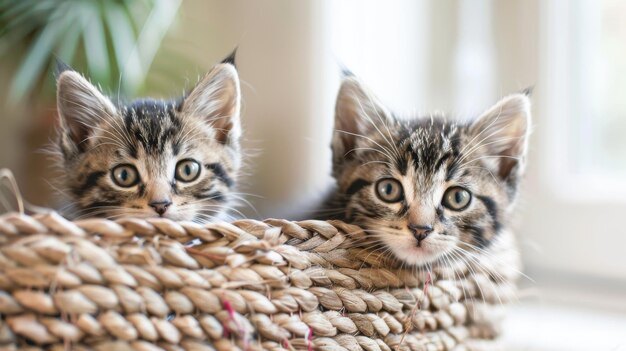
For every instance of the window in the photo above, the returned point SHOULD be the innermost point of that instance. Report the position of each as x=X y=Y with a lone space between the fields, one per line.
x=576 y=195
x=585 y=70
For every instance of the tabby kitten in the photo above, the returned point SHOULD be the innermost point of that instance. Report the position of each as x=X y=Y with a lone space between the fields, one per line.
x=150 y=158
x=427 y=188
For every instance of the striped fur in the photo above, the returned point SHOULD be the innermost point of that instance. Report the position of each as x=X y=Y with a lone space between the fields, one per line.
x=154 y=137
x=427 y=156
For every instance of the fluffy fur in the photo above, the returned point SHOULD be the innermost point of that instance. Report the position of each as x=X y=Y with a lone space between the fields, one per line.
x=430 y=159
x=149 y=158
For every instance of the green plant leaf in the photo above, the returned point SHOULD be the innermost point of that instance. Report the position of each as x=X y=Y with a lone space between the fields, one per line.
x=121 y=29
x=36 y=60
x=106 y=35
x=94 y=40
x=16 y=28
x=152 y=34
x=14 y=10
x=69 y=42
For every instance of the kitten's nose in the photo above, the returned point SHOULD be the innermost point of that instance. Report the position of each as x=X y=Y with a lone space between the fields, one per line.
x=420 y=232
x=160 y=206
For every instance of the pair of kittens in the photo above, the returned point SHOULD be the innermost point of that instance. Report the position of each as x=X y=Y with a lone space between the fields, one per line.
x=419 y=187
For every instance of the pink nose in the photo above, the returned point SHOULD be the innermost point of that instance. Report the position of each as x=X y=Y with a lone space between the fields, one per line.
x=160 y=206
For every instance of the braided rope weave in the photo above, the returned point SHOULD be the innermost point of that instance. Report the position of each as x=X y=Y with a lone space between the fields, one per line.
x=154 y=284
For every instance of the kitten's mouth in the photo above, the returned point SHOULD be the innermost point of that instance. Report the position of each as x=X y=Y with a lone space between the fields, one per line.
x=421 y=248
x=170 y=214
x=412 y=251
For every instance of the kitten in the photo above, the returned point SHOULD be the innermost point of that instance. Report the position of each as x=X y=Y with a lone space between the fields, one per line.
x=150 y=158
x=427 y=189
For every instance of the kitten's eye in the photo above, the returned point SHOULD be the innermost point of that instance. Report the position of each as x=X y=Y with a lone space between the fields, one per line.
x=187 y=170
x=389 y=190
x=457 y=198
x=125 y=175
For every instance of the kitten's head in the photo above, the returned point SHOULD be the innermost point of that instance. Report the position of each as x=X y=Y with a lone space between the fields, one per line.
x=149 y=158
x=424 y=188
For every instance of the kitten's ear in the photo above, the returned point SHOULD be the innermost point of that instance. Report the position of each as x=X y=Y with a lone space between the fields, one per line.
x=357 y=114
x=81 y=106
x=61 y=67
x=217 y=100
x=503 y=130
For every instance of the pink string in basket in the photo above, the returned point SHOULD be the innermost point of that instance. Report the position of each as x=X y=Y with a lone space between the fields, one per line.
x=309 y=339
x=231 y=314
x=428 y=280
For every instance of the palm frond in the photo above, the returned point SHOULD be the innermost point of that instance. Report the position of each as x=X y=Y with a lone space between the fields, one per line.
x=104 y=38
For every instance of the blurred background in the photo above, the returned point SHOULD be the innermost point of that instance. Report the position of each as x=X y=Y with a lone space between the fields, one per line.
x=418 y=56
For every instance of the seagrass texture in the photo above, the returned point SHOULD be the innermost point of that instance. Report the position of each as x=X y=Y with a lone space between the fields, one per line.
x=154 y=284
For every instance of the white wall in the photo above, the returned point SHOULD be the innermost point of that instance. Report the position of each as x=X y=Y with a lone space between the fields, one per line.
x=286 y=67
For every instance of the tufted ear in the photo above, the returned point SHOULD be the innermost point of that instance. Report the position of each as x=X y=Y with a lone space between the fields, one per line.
x=217 y=99
x=357 y=114
x=81 y=107
x=503 y=130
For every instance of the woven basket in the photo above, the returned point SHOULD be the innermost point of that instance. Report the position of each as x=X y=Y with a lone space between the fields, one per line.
x=154 y=284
